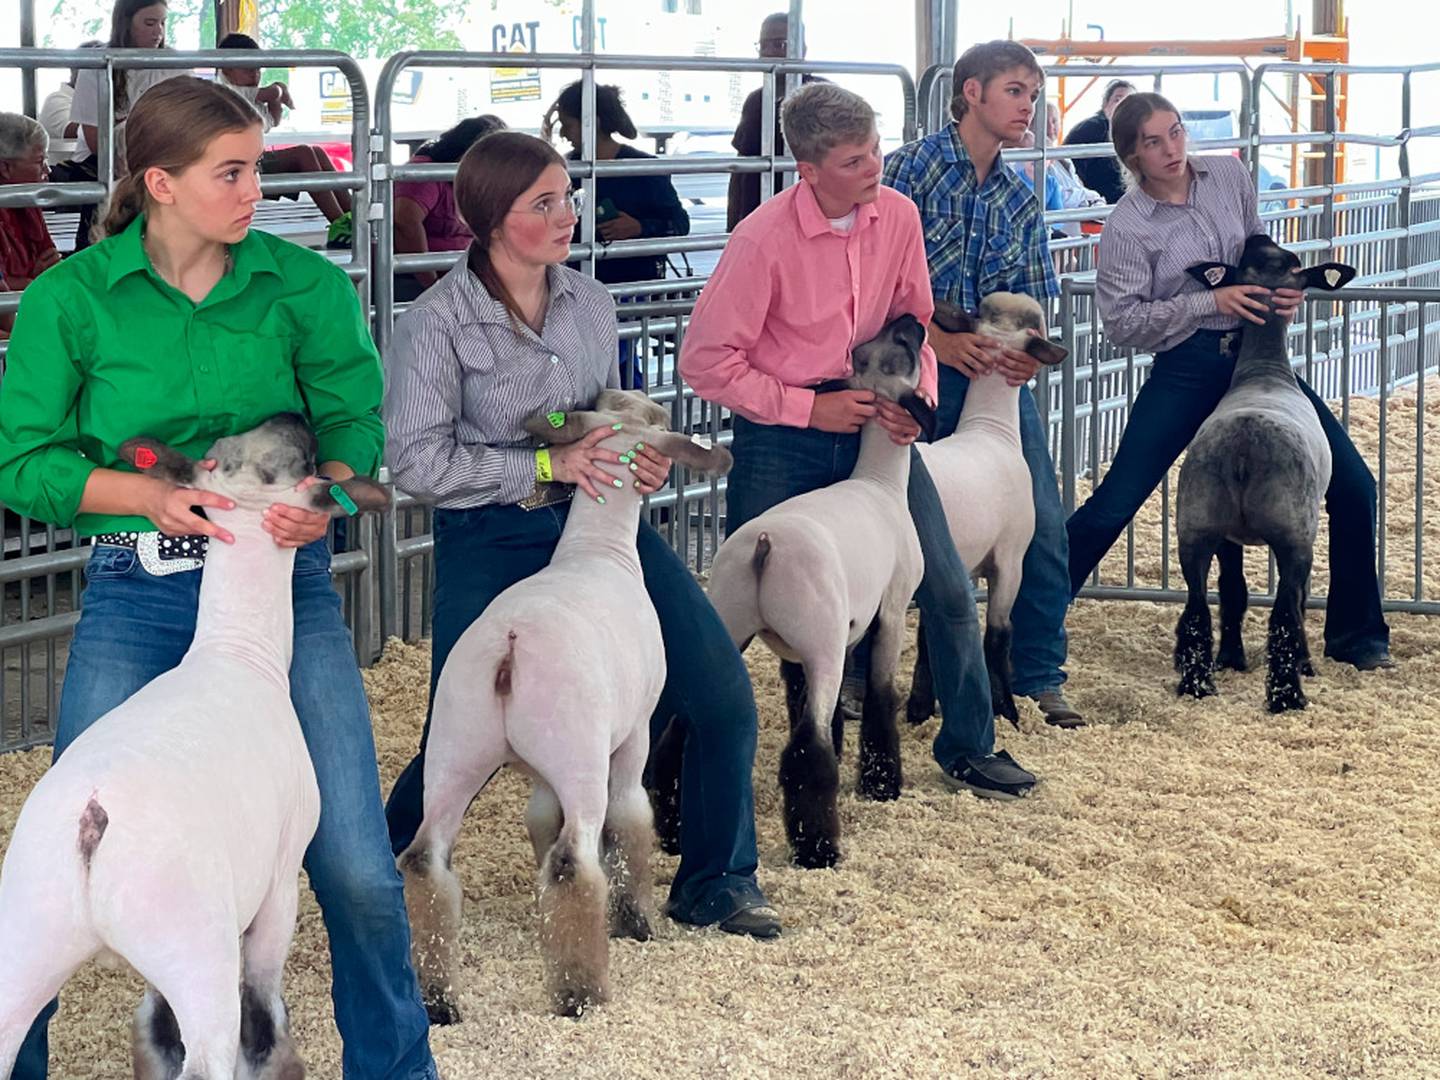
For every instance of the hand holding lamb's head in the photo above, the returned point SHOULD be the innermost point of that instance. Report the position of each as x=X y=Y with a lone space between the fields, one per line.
x=274 y=462
x=635 y=418
x=1013 y=319
x=889 y=364
x=1264 y=262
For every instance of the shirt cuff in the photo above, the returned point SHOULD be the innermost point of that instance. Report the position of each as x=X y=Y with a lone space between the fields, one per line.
x=795 y=405
x=512 y=470
x=353 y=445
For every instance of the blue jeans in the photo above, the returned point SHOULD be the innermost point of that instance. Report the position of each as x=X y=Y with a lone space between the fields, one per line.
x=480 y=553
x=775 y=463
x=133 y=627
x=1038 y=649
x=1185 y=385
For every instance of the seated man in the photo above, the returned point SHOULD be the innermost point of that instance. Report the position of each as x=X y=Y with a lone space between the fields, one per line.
x=270 y=102
x=816 y=270
x=26 y=248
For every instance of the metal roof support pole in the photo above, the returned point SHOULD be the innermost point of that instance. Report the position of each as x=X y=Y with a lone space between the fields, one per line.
x=30 y=102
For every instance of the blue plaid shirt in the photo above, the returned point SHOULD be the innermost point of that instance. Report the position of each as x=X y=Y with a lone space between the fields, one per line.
x=978 y=239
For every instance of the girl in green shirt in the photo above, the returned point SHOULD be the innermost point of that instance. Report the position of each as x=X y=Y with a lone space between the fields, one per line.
x=185 y=325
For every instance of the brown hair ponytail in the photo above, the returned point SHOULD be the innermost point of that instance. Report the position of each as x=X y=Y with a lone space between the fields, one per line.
x=170 y=128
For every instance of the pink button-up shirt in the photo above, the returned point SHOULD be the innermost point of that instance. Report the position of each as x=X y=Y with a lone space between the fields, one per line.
x=792 y=295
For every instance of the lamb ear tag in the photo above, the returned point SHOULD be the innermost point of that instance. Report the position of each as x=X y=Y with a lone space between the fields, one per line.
x=1332 y=277
x=557 y=419
x=703 y=442
x=145 y=458
x=1215 y=275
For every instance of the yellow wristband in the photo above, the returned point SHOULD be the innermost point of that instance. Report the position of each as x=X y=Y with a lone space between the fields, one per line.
x=543 y=472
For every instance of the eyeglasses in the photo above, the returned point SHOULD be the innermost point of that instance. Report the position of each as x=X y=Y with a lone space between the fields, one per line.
x=549 y=207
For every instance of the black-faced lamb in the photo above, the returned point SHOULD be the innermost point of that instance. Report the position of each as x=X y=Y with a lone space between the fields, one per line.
x=814 y=575
x=1255 y=473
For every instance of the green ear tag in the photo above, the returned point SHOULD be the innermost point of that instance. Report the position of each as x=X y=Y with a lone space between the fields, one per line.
x=341 y=496
x=557 y=419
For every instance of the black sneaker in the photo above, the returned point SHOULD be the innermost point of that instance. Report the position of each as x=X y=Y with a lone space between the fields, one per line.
x=995 y=776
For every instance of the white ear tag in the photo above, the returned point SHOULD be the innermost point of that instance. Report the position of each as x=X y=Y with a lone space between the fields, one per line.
x=1332 y=277
x=702 y=441
x=1215 y=275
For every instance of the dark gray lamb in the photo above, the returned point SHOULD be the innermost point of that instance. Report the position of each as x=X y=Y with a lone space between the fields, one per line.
x=1255 y=473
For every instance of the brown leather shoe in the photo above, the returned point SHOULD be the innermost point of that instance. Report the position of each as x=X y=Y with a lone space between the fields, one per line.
x=1058 y=712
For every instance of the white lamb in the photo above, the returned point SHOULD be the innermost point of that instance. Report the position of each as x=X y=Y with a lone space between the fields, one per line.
x=985 y=487
x=558 y=677
x=170 y=834
x=812 y=576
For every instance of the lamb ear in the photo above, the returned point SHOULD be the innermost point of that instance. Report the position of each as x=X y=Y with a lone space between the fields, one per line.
x=1046 y=351
x=1330 y=275
x=361 y=493
x=952 y=318
x=924 y=415
x=1213 y=275
x=559 y=428
x=154 y=458
x=702 y=457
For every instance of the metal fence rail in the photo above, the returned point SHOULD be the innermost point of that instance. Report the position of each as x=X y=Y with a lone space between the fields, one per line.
x=1373 y=342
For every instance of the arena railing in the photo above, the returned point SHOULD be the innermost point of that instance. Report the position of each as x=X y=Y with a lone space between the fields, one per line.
x=41 y=570
x=1373 y=344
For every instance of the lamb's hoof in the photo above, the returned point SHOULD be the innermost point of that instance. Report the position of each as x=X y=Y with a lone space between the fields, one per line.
x=441 y=1009
x=1197 y=684
x=1006 y=707
x=1286 y=697
x=879 y=781
x=575 y=1002
x=1307 y=668
x=1231 y=658
x=918 y=712
x=629 y=921
x=820 y=853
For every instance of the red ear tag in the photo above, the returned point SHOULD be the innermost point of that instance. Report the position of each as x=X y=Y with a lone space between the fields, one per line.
x=145 y=458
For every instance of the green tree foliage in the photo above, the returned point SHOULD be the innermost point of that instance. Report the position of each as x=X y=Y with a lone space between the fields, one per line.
x=362 y=30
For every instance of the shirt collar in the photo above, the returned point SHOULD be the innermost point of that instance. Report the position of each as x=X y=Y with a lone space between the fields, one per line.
x=1147 y=204
x=251 y=256
x=813 y=221
x=953 y=151
x=490 y=309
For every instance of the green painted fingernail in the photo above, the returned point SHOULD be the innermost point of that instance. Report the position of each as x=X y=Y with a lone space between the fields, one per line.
x=634 y=467
x=619 y=483
x=600 y=499
x=639 y=446
x=616 y=427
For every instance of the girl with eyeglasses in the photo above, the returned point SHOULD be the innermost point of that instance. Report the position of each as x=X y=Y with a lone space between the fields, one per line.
x=510 y=332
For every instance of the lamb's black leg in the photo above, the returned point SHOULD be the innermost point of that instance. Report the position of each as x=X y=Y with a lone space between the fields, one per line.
x=1234 y=599
x=1307 y=665
x=1194 y=639
x=809 y=780
x=666 y=758
x=921 y=704
x=879 y=776
x=1286 y=647
x=997 y=662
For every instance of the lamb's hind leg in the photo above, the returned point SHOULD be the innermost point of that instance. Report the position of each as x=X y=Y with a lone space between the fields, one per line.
x=192 y=1000
x=809 y=771
x=1286 y=646
x=267 y=1052
x=1003 y=586
x=880 y=777
x=1234 y=599
x=433 y=893
x=572 y=893
x=629 y=837
x=1194 y=638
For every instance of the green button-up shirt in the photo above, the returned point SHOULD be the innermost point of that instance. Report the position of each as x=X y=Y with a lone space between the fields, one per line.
x=103 y=349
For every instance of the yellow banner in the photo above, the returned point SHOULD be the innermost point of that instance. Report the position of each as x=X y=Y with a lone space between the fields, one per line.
x=249 y=19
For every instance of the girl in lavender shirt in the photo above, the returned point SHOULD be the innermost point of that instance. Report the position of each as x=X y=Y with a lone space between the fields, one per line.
x=1180 y=210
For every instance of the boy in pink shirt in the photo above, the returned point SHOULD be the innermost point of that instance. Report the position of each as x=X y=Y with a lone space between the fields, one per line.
x=816 y=270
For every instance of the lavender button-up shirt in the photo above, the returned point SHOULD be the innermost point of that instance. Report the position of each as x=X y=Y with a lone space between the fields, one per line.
x=1146 y=298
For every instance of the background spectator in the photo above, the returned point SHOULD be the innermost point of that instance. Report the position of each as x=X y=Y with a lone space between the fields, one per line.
x=1073 y=193
x=26 y=249
x=1101 y=174
x=426 y=218
x=270 y=102
x=55 y=117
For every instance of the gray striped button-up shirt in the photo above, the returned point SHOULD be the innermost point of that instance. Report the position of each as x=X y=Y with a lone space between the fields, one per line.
x=1146 y=298
x=462 y=379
